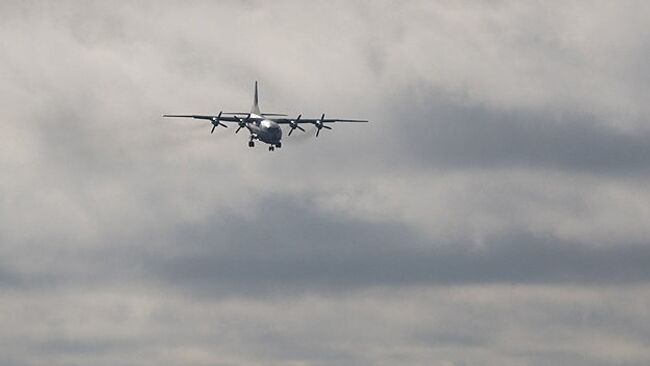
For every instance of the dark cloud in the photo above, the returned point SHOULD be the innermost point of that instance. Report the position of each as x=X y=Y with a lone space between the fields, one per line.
x=446 y=132
x=289 y=246
x=9 y=278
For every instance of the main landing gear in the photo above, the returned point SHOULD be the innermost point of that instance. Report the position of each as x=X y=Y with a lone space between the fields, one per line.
x=251 y=143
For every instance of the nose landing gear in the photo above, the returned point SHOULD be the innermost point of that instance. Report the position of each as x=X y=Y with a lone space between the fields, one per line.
x=251 y=143
x=271 y=148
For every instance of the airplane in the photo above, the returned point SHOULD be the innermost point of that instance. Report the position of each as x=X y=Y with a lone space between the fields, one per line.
x=264 y=127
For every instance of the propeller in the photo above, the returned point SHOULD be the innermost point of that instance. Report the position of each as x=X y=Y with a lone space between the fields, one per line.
x=242 y=122
x=320 y=125
x=294 y=125
x=216 y=121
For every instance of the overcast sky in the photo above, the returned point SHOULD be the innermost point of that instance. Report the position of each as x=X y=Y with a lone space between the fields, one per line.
x=496 y=211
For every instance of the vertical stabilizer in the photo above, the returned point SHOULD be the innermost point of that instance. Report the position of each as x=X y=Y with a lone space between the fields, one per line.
x=255 y=109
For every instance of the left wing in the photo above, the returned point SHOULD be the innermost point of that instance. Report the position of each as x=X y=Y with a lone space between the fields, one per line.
x=315 y=121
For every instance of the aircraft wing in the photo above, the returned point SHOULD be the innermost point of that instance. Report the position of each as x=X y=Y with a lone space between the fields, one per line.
x=314 y=120
x=209 y=118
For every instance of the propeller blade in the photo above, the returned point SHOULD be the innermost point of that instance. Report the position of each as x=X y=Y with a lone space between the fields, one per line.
x=216 y=121
x=327 y=127
x=237 y=131
x=290 y=131
x=300 y=128
x=317 y=132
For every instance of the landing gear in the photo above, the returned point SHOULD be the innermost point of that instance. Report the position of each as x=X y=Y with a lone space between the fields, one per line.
x=251 y=143
x=271 y=148
x=278 y=145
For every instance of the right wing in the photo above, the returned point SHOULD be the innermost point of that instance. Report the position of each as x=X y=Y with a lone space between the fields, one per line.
x=211 y=118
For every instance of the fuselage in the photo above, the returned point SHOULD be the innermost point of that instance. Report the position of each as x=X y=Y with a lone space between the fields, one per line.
x=265 y=130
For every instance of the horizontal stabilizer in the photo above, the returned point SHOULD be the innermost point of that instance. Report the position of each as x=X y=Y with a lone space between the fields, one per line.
x=263 y=114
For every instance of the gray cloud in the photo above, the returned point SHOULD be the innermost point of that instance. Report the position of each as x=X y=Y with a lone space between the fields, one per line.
x=296 y=248
x=450 y=134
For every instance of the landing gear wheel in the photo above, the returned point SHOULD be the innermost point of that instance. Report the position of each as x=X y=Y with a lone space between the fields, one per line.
x=251 y=144
x=278 y=145
x=271 y=148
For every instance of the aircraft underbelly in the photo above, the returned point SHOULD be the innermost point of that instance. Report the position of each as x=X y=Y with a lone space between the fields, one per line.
x=267 y=135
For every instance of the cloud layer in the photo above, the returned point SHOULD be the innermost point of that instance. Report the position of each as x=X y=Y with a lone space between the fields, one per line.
x=493 y=213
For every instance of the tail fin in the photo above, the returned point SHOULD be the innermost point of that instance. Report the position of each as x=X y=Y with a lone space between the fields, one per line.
x=256 y=107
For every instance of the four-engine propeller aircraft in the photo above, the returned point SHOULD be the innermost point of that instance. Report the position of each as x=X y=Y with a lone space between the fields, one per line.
x=265 y=127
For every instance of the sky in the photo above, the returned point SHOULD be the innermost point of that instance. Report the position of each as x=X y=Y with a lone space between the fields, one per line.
x=496 y=210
